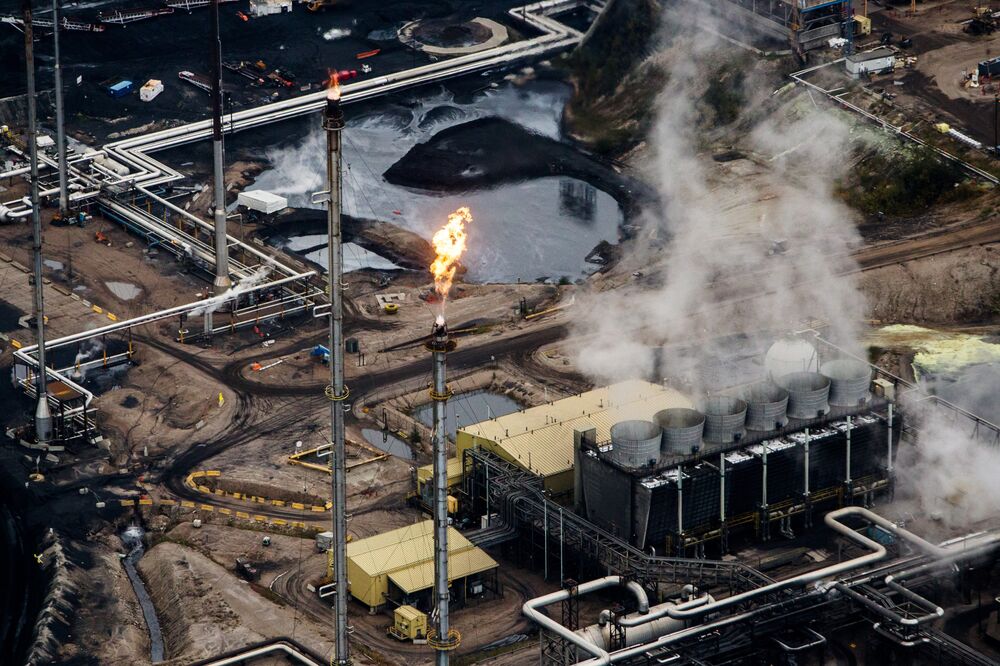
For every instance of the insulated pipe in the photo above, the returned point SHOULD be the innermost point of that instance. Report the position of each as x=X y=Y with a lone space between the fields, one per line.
x=832 y=520
x=888 y=440
x=847 y=471
x=333 y=124
x=532 y=610
x=43 y=417
x=805 y=468
x=934 y=611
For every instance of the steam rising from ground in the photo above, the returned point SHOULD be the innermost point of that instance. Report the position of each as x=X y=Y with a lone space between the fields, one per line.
x=720 y=233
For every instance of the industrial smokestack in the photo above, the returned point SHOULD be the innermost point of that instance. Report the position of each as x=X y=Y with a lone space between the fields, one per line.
x=442 y=637
x=60 y=127
x=43 y=418
x=333 y=124
x=222 y=281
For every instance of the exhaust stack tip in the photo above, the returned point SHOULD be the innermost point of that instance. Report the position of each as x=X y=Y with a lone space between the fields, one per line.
x=333 y=115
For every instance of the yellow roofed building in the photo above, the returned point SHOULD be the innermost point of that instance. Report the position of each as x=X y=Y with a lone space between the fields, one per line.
x=399 y=566
x=540 y=439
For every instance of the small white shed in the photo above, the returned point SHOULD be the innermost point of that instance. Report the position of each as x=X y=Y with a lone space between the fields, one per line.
x=876 y=61
x=262 y=202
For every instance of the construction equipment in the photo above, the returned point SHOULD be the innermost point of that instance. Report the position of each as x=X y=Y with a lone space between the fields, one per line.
x=246 y=570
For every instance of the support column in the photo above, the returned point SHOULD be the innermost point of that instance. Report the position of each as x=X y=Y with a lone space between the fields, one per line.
x=43 y=416
x=337 y=391
x=60 y=114
x=848 y=482
x=222 y=282
x=805 y=475
x=765 y=524
x=442 y=637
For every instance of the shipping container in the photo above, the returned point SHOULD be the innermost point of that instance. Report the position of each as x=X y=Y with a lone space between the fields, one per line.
x=120 y=89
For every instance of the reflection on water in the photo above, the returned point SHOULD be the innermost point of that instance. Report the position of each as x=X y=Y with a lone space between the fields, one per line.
x=386 y=441
x=467 y=408
x=523 y=231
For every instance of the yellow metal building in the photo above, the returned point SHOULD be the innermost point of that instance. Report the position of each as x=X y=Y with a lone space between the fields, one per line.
x=400 y=564
x=540 y=439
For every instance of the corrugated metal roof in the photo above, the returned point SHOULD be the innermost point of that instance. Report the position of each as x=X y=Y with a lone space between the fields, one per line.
x=460 y=564
x=409 y=613
x=454 y=471
x=540 y=438
x=401 y=548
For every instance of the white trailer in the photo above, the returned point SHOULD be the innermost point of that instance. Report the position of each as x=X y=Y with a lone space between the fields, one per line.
x=150 y=90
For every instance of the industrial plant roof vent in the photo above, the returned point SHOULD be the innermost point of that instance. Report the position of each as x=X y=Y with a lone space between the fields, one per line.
x=724 y=418
x=808 y=393
x=849 y=381
x=766 y=406
x=636 y=443
x=682 y=430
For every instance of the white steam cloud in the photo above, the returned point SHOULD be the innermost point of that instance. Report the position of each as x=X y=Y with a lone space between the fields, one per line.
x=758 y=244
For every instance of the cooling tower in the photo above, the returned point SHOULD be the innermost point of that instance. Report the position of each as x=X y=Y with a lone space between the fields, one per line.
x=849 y=381
x=724 y=419
x=808 y=394
x=767 y=404
x=682 y=430
x=636 y=443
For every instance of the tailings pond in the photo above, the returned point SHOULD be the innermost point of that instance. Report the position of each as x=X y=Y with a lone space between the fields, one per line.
x=468 y=408
x=541 y=227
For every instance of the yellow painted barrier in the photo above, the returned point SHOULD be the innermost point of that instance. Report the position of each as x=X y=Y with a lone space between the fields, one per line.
x=187 y=504
x=213 y=472
x=279 y=521
x=318 y=509
x=123 y=502
x=15 y=344
x=243 y=514
x=297 y=524
x=225 y=511
x=220 y=492
x=278 y=502
x=207 y=507
x=146 y=502
x=168 y=502
x=295 y=505
x=112 y=317
x=237 y=496
x=96 y=309
x=260 y=519
x=204 y=489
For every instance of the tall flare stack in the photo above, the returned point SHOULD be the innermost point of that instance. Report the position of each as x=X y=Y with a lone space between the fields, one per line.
x=222 y=281
x=337 y=392
x=43 y=417
x=443 y=638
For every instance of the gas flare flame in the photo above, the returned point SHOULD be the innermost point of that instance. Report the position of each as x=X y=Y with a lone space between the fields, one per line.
x=449 y=244
x=333 y=86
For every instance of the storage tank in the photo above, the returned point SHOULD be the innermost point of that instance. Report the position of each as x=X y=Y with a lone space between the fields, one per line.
x=767 y=404
x=808 y=394
x=724 y=419
x=790 y=355
x=682 y=429
x=849 y=381
x=636 y=443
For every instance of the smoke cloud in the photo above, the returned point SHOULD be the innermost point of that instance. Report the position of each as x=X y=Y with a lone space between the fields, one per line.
x=756 y=244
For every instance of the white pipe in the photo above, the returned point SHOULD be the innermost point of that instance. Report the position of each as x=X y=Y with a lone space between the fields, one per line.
x=254 y=653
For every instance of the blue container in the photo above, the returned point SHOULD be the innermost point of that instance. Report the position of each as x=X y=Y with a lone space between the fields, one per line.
x=120 y=89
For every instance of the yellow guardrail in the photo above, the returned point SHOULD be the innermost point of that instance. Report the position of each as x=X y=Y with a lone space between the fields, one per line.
x=191 y=482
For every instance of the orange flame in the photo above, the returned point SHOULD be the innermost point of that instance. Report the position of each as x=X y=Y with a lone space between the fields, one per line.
x=449 y=244
x=333 y=85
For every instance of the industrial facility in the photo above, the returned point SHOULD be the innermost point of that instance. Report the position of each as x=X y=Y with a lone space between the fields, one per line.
x=203 y=468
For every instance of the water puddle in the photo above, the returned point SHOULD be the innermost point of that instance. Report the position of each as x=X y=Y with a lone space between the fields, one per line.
x=539 y=228
x=464 y=409
x=53 y=264
x=388 y=443
x=126 y=291
x=132 y=538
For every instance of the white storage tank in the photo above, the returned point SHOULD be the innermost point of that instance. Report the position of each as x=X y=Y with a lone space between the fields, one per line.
x=790 y=355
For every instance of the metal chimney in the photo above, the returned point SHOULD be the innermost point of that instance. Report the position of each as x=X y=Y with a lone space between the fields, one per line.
x=43 y=417
x=60 y=116
x=337 y=392
x=222 y=281
x=442 y=637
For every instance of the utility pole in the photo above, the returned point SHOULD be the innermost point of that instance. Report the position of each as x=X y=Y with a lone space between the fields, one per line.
x=996 y=142
x=337 y=392
x=60 y=115
x=43 y=417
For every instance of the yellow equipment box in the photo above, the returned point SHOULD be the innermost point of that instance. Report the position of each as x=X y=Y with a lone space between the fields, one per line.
x=410 y=624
